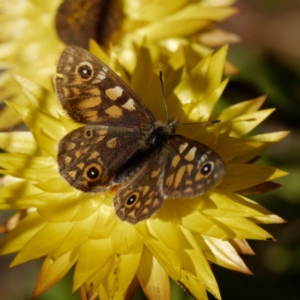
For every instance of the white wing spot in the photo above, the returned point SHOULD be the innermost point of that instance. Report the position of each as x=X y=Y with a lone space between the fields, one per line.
x=99 y=77
x=114 y=93
x=129 y=105
x=105 y=69
x=203 y=158
x=68 y=68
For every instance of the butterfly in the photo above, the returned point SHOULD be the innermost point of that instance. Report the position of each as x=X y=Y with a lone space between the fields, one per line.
x=121 y=144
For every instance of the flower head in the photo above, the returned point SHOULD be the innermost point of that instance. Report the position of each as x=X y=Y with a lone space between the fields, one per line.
x=70 y=227
x=34 y=34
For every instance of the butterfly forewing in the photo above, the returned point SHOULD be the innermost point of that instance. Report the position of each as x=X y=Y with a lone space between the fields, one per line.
x=191 y=168
x=90 y=157
x=92 y=93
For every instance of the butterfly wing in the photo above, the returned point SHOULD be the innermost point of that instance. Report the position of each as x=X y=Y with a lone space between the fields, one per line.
x=142 y=195
x=191 y=168
x=92 y=93
x=90 y=157
x=183 y=168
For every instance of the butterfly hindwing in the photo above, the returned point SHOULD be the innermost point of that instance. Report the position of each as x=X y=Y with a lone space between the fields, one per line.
x=191 y=168
x=142 y=195
x=92 y=93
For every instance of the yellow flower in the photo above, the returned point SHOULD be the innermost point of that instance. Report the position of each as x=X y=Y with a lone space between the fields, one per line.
x=31 y=29
x=70 y=227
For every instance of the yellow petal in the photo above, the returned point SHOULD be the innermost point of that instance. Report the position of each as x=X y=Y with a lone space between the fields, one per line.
x=229 y=204
x=8 y=118
x=194 y=263
x=54 y=270
x=222 y=253
x=19 y=161
x=242 y=176
x=243 y=228
x=244 y=124
x=165 y=231
x=193 y=286
x=196 y=221
x=153 y=278
x=93 y=255
x=200 y=83
x=76 y=206
x=168 y=259
x=55 y=185
x=39 y=245
x=268 y=219
x=77 y=235
x=242 y=246
x=121 y=273
x=241 y=108
x=18 y=142
x=19 y=236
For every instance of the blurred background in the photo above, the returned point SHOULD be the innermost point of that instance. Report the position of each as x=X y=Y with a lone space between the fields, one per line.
x=269 y=61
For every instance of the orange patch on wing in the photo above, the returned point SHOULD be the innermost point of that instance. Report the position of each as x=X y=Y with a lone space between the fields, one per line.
x=129 y=105
x=179 y=176
x=188 y=190
x=103 y=130
x=91 y=115
x=156 y=202
x=138 y=205
x=175 y=161
x=146 y=189
x=89 y=102
x=182 y=147
x=145 y=211
x=199 y=176
x=70 y=146
x=100 y=138
x=72 y=174
x=114 y=111
x=169 y=180
x=111 y=143
x=75 y=91
x=67 y=159
x=94 y=155
x=114 y=93
x=66 y=92
x=155 y=173
x=94 y=91
x=80 y=165
x=131 y=214
x=191 y=154
x=190 y=168
x=78 y=154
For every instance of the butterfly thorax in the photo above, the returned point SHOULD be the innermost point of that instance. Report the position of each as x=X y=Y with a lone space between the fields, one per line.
x=160 y=132
x=153 y=140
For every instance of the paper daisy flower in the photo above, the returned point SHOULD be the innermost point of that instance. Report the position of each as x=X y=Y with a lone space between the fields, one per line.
x=35 y=32
x=69 y=227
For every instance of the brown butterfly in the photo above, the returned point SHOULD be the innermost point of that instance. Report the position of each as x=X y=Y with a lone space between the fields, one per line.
x=122 y=144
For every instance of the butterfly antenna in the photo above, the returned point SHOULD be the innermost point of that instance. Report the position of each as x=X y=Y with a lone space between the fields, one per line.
x=163 y=92
x=207 y=122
